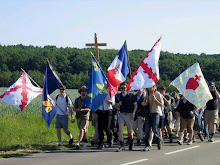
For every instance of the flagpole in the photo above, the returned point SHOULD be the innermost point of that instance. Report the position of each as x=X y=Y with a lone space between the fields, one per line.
x=60 y=84
x=32 y=79
x=128 y=58
x=105 y=76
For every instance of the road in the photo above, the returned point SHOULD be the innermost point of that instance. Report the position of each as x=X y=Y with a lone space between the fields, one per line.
x=201 y=153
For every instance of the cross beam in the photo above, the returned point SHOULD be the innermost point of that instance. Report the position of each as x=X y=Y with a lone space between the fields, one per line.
x=96 y=44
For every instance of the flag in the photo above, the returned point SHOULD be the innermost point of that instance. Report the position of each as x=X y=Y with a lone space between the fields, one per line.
x=191 y=83
x=97 y=90
x=21 y=93
x=146 y=74
x=118 y=70
x=51 y=83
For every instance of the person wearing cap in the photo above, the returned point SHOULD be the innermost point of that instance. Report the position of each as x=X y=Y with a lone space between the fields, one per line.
x=211 y=111
x=82 y=116
x=64 y=106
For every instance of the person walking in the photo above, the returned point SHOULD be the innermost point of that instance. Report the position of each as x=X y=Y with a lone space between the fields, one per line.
x=64 y=107
x=186 y=112
x=128 y=107
x=138 y=120
x=152 y=122
x=211 y=111
x=82 y=116
x=104 y=121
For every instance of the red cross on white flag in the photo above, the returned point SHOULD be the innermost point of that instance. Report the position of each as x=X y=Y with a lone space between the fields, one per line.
x=146 y=74
x=21 y=93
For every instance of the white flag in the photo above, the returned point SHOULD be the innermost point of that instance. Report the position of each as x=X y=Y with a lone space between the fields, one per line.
x=21 y=93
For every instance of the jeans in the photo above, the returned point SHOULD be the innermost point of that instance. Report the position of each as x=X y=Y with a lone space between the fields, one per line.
x=152 y=121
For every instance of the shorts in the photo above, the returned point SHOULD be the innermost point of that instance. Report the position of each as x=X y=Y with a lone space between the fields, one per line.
x=211 y=116
x=125 y=118
x=61 y=121
x=82 y=123
x=187 y=123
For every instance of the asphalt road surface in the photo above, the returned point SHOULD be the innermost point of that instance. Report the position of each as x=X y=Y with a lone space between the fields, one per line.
x=199 y=153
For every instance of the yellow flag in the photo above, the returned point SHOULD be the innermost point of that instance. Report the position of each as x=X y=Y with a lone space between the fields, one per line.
x=191 y=83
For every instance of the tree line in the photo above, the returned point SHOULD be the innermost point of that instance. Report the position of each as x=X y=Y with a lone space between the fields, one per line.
x=73 y=64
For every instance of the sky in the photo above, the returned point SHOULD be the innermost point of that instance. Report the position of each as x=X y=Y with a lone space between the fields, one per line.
x=186 y=26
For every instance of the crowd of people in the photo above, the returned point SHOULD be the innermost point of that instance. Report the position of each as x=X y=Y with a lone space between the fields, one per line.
x=150 y=113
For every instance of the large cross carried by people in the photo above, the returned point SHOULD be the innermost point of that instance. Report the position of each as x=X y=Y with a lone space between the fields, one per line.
x=96 y=44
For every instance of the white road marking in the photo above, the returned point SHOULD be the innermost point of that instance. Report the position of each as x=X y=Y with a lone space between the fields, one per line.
x=216 y=141
x=169 y=153
x=137 y=161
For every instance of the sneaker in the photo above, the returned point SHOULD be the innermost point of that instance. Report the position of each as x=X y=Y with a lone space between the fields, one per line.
x=120 y=149
x=211 y=139
x=147 y=148
x=109 y=145
x=60 y=144
x=71 y=141
x=77 y=145
x=190 y=142
x=180 y=142
x=86 y=144
x=159 y=145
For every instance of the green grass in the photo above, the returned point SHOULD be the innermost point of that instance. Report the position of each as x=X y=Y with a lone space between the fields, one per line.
x=26 y=132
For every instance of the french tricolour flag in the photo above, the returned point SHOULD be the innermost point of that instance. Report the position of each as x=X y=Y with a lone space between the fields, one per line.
x=147 y=73
x=118 y=70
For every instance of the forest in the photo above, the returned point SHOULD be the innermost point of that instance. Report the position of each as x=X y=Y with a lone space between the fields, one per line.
x=73 y=64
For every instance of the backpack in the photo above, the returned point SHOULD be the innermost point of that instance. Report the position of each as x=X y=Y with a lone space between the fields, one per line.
x=66 y=99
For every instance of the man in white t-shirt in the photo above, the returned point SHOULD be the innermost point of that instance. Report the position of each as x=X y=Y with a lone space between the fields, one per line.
x=64 y=106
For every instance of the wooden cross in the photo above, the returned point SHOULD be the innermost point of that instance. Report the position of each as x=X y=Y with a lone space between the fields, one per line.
x=96 y=44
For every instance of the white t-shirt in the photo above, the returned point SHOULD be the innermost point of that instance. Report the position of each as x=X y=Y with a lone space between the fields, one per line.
x=61 y=104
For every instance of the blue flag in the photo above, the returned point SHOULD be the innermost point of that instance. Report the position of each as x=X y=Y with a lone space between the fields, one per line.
x=51 y=83
x=97 y=90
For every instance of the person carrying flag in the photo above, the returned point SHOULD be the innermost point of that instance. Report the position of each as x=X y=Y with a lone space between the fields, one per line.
x=152 y=122
x=64 y=106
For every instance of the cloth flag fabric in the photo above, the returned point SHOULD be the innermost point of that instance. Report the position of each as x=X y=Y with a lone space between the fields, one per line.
x=191 y=83
x=51 y=83
x=97 y=90
x=147 y=73
x=118 y=70
x=21 y=93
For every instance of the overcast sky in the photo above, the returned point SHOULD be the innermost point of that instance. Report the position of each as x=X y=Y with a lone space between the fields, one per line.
x=187 y=26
